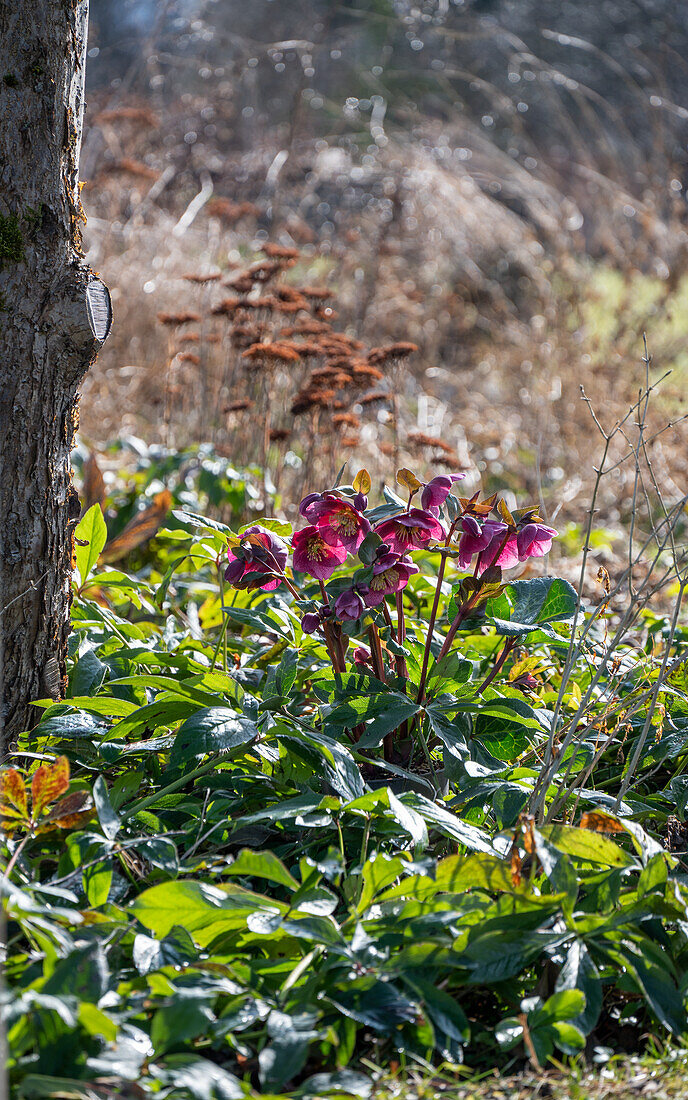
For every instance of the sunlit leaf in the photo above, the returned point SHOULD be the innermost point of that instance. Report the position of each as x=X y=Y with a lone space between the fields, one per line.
x=48 y=783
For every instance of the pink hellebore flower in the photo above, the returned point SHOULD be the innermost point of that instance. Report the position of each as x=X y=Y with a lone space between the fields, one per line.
x=476 y=537
x=501 y=552
x=390 y=574
x=257 y=559
x=534 y=540
x=336 y=518
x=314 y=555
x=436 y=491
x=411 y=530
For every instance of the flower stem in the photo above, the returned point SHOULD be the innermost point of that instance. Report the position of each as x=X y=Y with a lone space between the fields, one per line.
x=506 y=650
x=431 y=627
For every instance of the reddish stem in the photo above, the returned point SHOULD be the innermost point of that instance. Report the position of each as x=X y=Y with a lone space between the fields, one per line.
x=506 y=650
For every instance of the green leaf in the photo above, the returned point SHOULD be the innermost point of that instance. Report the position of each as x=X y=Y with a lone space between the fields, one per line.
x=502 y=726
x=448 y=823
x=178 y=1022
x=206 y=910
x=71 y=726
x=382 y=713
x=557 y=867
x=329 y=760
x=653 y=876
x=188 y=1075
x=285 y=673
x=509 y=1032
x=446 y=1014
x=377 y=873
x=175 y=949
x=655 y=981
x=96 y=881
x=211 y=730
x=88 y=674
x=580 y=972
x=163 y=712
x=91 y=530
x=586 y=845
x=525 y=606
x=569 y=1038
x=202 y=522
x=565 y=1005
x=95 y=1022
x=262 y=865
x=410 y=820
x=109 y=821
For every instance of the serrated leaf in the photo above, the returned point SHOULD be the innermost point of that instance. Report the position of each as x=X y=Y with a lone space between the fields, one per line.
x=211 y=730
x=525 y=606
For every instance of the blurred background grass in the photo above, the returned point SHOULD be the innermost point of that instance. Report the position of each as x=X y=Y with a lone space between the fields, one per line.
x=500 y=182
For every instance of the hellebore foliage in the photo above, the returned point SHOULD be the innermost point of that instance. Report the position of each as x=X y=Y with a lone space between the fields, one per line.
x=291 y=822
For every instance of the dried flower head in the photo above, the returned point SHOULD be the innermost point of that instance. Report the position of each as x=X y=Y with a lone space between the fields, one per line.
x=194 y=277
x=279 y=251
x=181 y=318
x=231 y=212
x=399 y=350
x=278 y=352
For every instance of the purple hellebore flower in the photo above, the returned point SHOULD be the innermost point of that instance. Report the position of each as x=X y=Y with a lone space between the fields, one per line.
x=390 y=574
x=436 y=491
x=314 y=555
x=310 y=622
x=337 y=519
x=476 y=537
x=411 y=530
x=534 y=540
x=349 y=605
x=257 y=559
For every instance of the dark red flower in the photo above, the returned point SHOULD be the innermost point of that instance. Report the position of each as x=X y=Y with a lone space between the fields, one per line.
x=257 y=562
x=411 y=530
x=314 y=555
x=337 y=519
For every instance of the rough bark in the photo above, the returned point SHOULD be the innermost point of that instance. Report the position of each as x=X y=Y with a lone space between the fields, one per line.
x=54 y=315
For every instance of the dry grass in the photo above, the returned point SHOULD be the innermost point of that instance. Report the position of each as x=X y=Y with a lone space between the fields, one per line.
x=510 y=312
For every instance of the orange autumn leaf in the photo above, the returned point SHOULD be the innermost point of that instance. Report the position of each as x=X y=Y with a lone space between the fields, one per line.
x=600 y=823
x=12 y=799
x=141 y=528
x=48 y=783
x=94 y=490
x=69 y=812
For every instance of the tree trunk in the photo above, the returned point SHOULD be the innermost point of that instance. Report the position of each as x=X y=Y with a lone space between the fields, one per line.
x=54 y=316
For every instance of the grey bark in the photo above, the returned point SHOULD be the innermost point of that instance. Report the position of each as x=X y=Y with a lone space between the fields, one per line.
x=54 y=315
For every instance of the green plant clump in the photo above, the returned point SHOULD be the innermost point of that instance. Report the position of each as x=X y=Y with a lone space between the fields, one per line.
x=326 y=800
x=11 y=243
